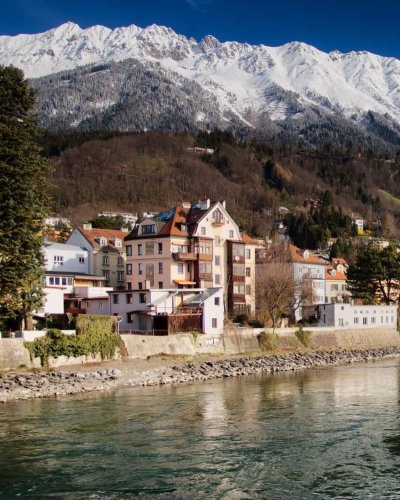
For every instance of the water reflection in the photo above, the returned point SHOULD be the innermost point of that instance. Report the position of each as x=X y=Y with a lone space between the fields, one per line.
x=331 y=433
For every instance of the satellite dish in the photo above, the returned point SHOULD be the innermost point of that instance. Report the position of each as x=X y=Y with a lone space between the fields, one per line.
x=237 y=258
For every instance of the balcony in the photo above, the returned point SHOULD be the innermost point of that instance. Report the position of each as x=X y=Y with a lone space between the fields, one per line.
x=92 y=292
x=218 y=221
x=238 y=259
x=206 y=257
x=238 y=297
x=184 y=256
x=238 y=278
x=205 y=276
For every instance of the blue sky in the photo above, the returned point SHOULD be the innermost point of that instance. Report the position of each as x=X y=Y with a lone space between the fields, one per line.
x=327 y=24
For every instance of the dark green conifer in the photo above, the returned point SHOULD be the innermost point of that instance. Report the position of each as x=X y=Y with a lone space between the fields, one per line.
x=23 y=199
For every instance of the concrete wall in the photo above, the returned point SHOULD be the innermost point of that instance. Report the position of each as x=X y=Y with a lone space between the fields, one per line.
x=234 y=341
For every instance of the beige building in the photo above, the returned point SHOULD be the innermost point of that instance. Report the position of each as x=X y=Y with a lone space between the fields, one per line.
x=197 y=245
x=335 y=286
x=107 y=257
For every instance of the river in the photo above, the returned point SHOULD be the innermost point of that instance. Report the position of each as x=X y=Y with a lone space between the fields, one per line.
x=315 y=434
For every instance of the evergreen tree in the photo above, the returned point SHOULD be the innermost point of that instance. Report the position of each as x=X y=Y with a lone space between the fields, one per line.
x=375 y=277
x=23 y=200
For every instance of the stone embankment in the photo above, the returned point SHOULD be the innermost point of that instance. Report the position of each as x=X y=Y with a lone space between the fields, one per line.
x=43 y=384
x=251 y=365
x=24 y=385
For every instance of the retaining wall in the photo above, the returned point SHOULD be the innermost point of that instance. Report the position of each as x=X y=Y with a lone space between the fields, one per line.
x=234 y=341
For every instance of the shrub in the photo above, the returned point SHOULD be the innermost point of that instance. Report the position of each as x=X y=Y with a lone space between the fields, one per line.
x=241 y=318
x=303 y=336
x=95 y=335
x=268 y=341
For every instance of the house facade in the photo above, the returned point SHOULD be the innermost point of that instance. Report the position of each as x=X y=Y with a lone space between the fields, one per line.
x=164 y=311
x=193 y=245
x=106 y=252
x=335 y=286
x=352 y=316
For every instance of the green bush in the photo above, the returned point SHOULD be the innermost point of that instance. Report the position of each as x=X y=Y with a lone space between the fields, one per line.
x=241 y=318
x=303 y=335
x=268 y=341
x=95 y=335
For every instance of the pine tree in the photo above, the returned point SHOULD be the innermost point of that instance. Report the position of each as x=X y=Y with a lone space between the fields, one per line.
x=23 y=200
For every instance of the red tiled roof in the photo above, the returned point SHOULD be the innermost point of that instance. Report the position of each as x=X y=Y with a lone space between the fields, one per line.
x=248 y=239
x=335 y=276
x=94 y=233
x=340 y=260
x=297 y=255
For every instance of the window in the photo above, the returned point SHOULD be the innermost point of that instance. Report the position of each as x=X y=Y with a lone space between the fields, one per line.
x=120 y=275
x=160 y=284
x=81 y=260
x=356 y=321
x=115 y=299
x=217 y=260
x=120 y=261
x=230 y=233
x=129 y=269
x=149 y=248
x=106 y=275
x=128 y=250
x=101 y=304
x=139 y=268
x=142 y=298
x=248 y=272
x=129 y=286
x=238 y=250
x=105 y=260
x=217 y=217
x=139 y=249
x=69 y=281
x=103 y=242
x=58 y=259
x=64 y=281
x=140 y=285
x=341 y=322
x=203 y=231
x=217 y=279
x=248 y=290
x=129 y=298
x=129 y=318
x=334 y=288
x=205 y=267
x=238 y=288
x=159 y=248
x=148 y=229
x=217 y=241
x=365 y=321
x=160 y=268
x=373 y=319
x=216 y=301
x=214 y=322
x=248 y=253
x=238 y=269
x=51 y=280
x=180 y=268
x=204 y=247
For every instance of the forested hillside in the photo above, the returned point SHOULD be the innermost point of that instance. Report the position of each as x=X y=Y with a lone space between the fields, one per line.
x=154 y=170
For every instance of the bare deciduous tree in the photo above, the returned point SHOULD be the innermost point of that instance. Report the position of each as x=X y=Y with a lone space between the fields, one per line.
x=279 y=293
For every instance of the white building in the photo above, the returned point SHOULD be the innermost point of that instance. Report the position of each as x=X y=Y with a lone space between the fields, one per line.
x=66 y=258
x=357 y=316
x=129 y=218
x=164 y=310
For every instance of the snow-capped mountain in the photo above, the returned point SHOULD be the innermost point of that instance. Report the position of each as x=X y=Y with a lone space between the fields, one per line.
x=244 y=82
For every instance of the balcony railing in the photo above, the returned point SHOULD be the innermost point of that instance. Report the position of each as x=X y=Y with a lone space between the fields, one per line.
x=186 y=256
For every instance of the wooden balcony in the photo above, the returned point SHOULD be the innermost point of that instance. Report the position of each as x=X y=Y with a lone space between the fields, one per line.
x=184 y=256
x=239 y=278
x=238 y=259
x=238 y=297
x=205 y=276
x=206 y=257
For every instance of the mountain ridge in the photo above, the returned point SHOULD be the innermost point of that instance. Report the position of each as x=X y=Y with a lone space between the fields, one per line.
x=247 y=81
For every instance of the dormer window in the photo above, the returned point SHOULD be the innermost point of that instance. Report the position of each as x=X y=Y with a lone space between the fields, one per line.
x=117 y=243
x=102 y=241
x=148 y=229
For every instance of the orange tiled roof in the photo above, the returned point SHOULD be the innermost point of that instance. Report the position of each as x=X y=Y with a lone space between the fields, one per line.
x=171 y=227
x=93 y=233
x=248 y=239
x=336 y=276
x=340 y=260
x=297 y=255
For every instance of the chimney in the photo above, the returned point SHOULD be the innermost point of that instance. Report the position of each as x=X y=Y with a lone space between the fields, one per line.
x=205 y=204
x=87 y=226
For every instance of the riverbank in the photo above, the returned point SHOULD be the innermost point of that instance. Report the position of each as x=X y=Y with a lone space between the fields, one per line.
x=23 y=385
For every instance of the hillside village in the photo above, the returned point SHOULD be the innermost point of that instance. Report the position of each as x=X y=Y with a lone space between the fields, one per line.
x=191 y=269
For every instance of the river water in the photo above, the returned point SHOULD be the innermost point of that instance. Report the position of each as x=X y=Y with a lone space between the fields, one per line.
x=321 y=433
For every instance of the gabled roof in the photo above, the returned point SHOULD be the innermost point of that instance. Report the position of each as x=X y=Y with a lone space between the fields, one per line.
x=299 y=256
x=94 y=233
x=168 y=224
x=333 y=274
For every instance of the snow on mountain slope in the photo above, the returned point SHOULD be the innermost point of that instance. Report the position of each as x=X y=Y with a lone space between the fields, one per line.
x=245 y=79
